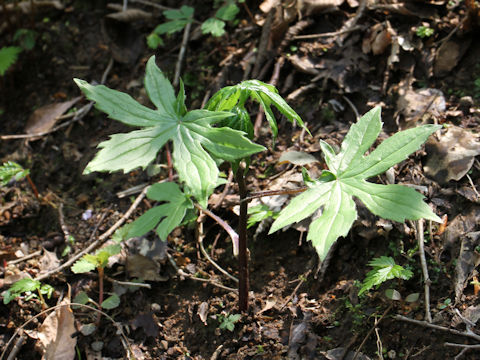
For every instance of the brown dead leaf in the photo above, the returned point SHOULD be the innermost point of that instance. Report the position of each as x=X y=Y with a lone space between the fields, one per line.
x=452 y=156
x=147 y=322
x=268 y=305
x=139 y=266
x=449 y=55
x=377 y=40
x=48 y=261
x=55 y=334
x=130 y=15
x=202 y=312
x=467 y=261
x=45 y=118
x=414 y=104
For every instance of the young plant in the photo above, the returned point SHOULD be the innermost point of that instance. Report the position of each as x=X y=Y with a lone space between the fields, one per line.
x=228 y=321
x=179 y=18
x=197 y=146
x=29 y=287
x=384 y=269
x=12 y=171
x=99 y=261
x=347 y=177
x=8 y=57
x=259 y=213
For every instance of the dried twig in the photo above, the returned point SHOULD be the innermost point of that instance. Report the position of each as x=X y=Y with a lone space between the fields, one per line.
x=180 y=272
x=125 y=341
x=100 y=239
x=181 y=54
x=423 y=261
x=302 y=280
x=328 y=34
x=24 y=258
x=372 y=330
x=437 y=327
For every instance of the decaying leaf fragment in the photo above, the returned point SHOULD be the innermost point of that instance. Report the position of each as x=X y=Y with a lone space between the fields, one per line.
x=452 y=156
x=55 y=334
x=44 y=119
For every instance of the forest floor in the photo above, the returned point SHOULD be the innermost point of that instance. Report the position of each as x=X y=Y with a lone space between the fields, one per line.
x=332 y=60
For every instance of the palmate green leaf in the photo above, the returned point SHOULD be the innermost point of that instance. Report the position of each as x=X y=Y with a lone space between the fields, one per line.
x=193 y=136
x=165 y=217
x=11 y=170
x=111 y=302
x=213 y=26
x=178 y=19
x=384 y=269
x=266 y=95
x=333 y=192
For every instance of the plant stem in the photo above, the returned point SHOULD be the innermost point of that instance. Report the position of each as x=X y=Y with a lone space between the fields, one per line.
x=100 y=292
x=260 y=194
x=32 y=185
x=242 y=244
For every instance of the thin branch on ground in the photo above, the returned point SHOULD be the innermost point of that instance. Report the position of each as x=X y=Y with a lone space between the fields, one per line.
x=127 y=283
x=181 y=54
x=100 y=239
x=225 y=191
x=387 y=310
x=465 y=348
x=61 y=220
x=201 y=236
x=302 y=280
x=328 y=34
x=437 y=327
x=473 y=187
x=24 y=258
x=77 y=115
x=182 y=273
x=125 y=341
x=423 y=261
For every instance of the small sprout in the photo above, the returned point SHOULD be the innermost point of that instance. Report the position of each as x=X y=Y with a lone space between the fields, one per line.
x=28 y=286
x=228 y=322
x=12 y=171
x=384 y=268
x=424 y=31
x=259 y=213
x=445 y=304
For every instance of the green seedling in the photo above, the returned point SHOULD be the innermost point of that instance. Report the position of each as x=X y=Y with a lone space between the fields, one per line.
x=228 y=321
x=384 y=269
x=177 y=19
x=198 y=146
x=11 y=171
x=99 y=261
x=424 y=31
x=346 y=178
x=259 y=213
x=394 y=295
x=28 y=287
x=8 y=57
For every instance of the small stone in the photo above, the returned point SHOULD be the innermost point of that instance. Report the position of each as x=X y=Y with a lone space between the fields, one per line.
x=156 y=308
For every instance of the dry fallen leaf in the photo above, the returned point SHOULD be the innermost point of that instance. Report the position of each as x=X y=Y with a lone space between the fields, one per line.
x=45 y=118
x=452 y=156
x=55 y=334
x=142 y=267
x=203 y=312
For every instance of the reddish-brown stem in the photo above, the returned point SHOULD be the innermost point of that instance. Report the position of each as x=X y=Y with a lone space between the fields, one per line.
x=260 y=194
x=243 y=284
x=100 y=291
x=32 y=185
x=233 y=235
x=169 y=162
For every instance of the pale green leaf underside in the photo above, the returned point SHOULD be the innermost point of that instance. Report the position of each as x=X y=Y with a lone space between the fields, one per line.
x=393 y=202
x=336 y=220
x=391 y=151
x=192 y=134
x=349 y=170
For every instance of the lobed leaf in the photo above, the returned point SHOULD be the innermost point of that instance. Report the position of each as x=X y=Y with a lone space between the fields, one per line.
x=358 y=140
x=391 y=151
x=165 y=217
x=336 y=220
x=191 y=132
x=346 y=178
x=393 y=202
